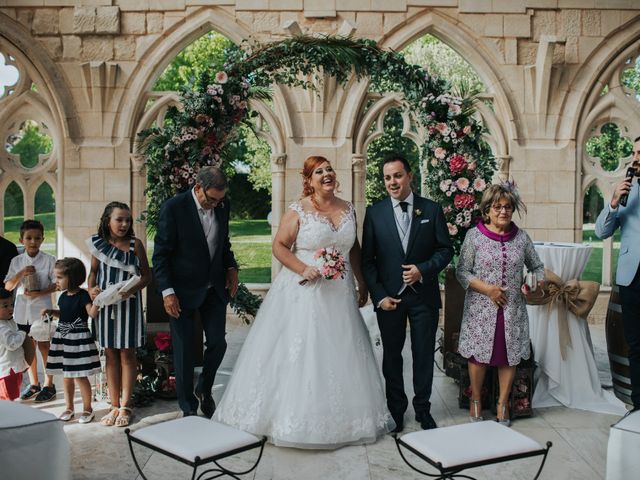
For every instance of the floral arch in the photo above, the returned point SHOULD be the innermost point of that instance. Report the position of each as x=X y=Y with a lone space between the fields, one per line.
x=216 y=103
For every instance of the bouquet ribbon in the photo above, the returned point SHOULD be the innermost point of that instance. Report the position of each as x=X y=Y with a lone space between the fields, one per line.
x=574 y=295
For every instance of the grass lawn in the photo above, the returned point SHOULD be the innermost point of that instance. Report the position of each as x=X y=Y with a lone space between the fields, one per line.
x=12 y=227
x=593 y=269
x=251 y=243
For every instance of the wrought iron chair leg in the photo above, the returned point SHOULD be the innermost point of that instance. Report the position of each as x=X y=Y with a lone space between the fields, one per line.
x=225 y=471
x=441 y=476
x=544 y=459
x=133 y=455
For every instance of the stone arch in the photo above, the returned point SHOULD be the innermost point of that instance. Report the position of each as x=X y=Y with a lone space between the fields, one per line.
x=160 y=53
x=52 y=85
x=587 y=85
x=593 y=109
x=51 y=104
x=473 y=50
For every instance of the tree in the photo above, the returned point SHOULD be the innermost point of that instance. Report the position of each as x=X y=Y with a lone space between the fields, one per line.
x=29 y=144
x=609 y=146
x=206 y=53
x=442 y=61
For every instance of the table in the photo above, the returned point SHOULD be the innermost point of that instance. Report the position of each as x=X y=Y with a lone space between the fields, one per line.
x=572 y=382
x=623 y=461
x=33 y=444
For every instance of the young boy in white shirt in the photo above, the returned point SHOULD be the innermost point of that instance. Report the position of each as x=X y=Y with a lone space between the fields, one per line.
x=12 y=362
x=29 y=303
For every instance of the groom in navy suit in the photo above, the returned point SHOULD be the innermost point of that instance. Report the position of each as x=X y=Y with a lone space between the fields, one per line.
x=195 y=270
x=405 y=244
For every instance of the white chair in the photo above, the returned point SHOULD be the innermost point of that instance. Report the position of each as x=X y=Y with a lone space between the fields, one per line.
x=454 y=449
x=623 y=448
x=196 y=441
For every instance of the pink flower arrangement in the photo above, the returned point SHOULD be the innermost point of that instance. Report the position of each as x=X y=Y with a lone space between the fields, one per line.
x=457 y=163
x=331 y=264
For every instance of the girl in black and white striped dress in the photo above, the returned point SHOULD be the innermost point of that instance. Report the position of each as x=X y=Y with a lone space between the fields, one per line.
x=73 y=351
x=117 y=255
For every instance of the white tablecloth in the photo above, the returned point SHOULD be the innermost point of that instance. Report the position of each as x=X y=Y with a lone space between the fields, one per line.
x=623 y=461
x=572 y=382
x=32 y=444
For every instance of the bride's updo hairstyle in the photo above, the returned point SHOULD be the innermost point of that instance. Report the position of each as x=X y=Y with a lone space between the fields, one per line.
x=310 y=164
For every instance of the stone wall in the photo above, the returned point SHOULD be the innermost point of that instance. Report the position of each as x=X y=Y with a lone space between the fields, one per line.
x=541 y=61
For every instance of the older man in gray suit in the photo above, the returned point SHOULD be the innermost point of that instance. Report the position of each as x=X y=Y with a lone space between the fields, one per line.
x=627 y=217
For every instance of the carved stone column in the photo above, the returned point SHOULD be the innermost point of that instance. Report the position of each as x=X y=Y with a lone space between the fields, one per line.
x=278 y=163
x=503 y=162
x=358 y=179
x=138 y=200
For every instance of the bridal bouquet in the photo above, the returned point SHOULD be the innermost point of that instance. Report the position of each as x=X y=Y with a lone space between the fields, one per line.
x=331 y=264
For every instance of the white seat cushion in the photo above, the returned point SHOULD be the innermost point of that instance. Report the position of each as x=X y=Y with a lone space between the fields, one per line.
x=191 y=437
x=469 y=443
x=630 y=423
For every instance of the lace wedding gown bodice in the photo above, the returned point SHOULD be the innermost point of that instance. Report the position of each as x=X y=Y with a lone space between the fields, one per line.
x=316 y=231
x=307 y=376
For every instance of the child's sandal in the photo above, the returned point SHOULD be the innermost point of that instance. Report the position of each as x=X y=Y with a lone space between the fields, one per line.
x=124 y=417
x=110 y=418
x=66 y=415
x=86 y=417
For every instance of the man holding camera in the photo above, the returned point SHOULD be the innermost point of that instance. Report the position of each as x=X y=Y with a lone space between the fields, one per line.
x=624 y=212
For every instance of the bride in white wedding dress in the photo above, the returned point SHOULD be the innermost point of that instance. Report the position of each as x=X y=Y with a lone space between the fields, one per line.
x=307 y=376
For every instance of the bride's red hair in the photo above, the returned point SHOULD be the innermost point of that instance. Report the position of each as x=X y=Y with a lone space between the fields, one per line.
x=310 y=164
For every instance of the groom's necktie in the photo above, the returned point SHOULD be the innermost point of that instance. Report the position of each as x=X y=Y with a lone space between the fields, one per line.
x=405 y=221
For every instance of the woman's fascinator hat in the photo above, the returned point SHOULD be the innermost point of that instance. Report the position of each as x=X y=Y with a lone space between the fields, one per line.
x=510 y=189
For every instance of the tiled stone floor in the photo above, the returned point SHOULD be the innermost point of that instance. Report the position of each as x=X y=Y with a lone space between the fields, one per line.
x=579 y=440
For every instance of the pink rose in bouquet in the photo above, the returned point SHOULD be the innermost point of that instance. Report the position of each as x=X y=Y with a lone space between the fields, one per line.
x=331 y=264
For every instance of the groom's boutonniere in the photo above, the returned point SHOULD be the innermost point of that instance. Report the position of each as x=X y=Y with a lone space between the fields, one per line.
x=417 y=212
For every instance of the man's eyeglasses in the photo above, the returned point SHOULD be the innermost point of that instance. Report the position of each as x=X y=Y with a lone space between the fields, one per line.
x=499 y=208
x=212 y=200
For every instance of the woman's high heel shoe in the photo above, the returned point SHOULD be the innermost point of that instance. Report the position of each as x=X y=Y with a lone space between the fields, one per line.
x=477 y=412
x=502 y=409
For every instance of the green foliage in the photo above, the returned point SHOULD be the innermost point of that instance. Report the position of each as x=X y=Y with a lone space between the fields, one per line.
x=247 y=202
x=631 y=77
x=592 y=205
x=609 y=147
x=391 y=141
x=440 y=60
x=29 y=144
x=245 y=304
x=13 y=200
x=45 y=201
x=205 y=54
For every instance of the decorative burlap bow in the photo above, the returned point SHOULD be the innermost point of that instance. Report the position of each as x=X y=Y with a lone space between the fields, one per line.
x=575 y=295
